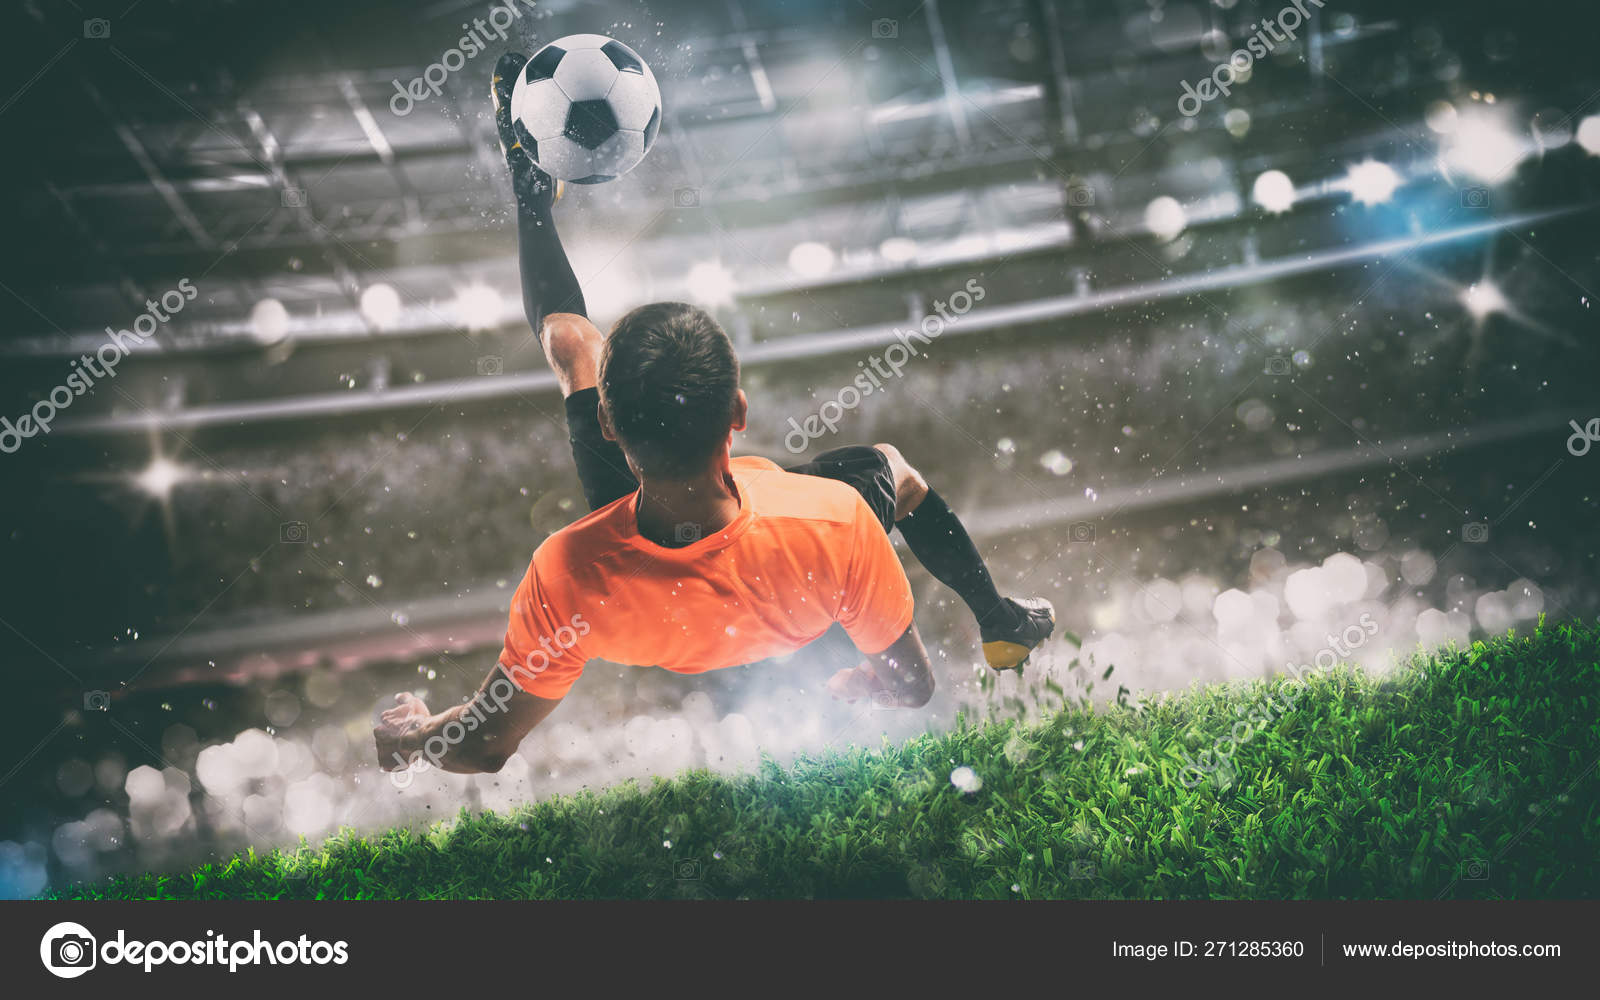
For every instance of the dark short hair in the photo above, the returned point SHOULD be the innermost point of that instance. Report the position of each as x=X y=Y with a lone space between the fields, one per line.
x=670 y=382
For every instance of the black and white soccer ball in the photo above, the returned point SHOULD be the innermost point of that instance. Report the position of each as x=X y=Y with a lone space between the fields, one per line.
x=586 y=108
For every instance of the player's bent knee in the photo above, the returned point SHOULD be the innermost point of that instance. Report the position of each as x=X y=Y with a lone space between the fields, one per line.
x=572 y=344
x=569 y=337
x=909 y=486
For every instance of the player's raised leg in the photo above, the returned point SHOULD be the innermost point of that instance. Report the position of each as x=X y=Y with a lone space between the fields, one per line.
x=1010 y=628
x=553 y=302
x=548 y=282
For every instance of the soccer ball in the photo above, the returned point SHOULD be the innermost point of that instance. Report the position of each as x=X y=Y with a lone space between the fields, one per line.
x=586 y=108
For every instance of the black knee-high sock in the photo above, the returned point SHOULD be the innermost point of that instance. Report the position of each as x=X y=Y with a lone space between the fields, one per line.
x=941 y=543
x=548 y=282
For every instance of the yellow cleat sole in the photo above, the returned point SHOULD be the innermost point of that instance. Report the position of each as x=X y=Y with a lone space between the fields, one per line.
x=1006 y=655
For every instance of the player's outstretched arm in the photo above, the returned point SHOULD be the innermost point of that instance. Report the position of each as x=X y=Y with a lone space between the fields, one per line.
x=472 y=738
x=900 y=676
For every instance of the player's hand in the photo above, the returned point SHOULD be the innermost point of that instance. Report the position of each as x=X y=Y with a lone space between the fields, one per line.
x=405 y=718
x=857 y=683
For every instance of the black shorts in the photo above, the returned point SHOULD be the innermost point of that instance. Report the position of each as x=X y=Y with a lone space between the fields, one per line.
x=605 y=476
x=864 y=469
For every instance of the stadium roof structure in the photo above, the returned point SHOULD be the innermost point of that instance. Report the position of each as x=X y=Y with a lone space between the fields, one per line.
x=843 y=164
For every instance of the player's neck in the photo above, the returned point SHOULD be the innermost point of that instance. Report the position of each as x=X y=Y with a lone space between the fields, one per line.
x=678 y=512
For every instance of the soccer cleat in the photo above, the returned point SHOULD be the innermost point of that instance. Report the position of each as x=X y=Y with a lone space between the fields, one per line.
x=1008 y=648
x=527 y=180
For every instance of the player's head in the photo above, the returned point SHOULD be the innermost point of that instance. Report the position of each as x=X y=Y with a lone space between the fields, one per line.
x=669 y=389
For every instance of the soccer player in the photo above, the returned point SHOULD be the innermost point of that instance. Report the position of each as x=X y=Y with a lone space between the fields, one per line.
x=692 y=559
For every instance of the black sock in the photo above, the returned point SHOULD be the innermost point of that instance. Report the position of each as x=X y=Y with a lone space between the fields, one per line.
x=941 y=543
x=548 y=282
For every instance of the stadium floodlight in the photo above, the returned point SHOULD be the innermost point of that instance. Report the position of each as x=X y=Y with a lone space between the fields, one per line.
x=898 y=249
x=710 y=284
x=160 y=476
x=479 y=307
x=269 y=322
x=1273 y=191
x=1483 y=298
x=1551 y=129
x=619 y=285
x=811 y=259
x=1483 y=149
x=1371 y=182
x=1441 y=117
x=380 y=305
x=1589 y=135
x=1165 y=218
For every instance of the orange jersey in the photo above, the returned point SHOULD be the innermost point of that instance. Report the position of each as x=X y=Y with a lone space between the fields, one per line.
x=803 y=553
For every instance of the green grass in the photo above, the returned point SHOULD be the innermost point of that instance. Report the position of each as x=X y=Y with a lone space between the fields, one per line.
x=1365 y=788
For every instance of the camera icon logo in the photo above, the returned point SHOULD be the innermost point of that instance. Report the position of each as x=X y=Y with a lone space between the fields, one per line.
x=1277 y=365
x=68 y=950
x=294 y=197
x=96 y=701
x=1475 y=870
x=294 y=533
x=491 y=364
x=1475 y=197
x=688 y=870
x=1081 y=870
x=1475 y=532
x=885 y=27
x=1080 y=196
x=884 y=701
x=1080 y=531
x=97 y=27
x=686 y=533
x=686 y=198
